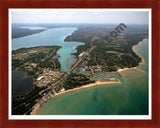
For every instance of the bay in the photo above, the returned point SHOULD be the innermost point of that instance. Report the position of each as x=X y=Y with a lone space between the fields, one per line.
x=50 y=37
x=130 y=98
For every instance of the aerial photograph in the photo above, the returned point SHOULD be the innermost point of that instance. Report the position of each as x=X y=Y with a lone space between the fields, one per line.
x=79 y=62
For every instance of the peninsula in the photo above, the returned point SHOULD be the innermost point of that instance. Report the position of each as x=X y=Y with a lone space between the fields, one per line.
x=97 y=55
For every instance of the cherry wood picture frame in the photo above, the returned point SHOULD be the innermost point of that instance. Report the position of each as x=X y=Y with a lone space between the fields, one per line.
x=107 y=4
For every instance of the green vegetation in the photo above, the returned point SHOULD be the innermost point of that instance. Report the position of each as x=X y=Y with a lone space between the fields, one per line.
x=76 y=80
x=100 y=56
x=23 y=104
x=33 y=60
x=108 y=55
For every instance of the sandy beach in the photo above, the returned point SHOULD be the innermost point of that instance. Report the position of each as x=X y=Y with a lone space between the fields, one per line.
x=133 y=48
x=142 y=60
x=109 y=81
x=124 y=69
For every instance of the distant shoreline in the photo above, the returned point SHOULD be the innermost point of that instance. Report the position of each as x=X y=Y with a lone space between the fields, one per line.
x=142 y=61
x=108 y=81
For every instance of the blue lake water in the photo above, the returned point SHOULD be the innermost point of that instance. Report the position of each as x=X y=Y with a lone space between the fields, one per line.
x=49 y=37
x=130 y=98
x=52 y=37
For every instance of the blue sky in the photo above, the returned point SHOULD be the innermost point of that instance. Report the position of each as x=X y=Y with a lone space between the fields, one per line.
x=79 y=16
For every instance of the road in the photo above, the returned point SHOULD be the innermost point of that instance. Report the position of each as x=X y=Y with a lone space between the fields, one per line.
x=62 y=80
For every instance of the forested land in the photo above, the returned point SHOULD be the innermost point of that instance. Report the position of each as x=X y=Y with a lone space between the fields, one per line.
x=76 y=80
x=33 y=60
x=23 y=104
x=109 y=55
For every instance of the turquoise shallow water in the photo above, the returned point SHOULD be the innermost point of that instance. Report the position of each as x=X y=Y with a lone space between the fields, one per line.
x=52 y=37
x=130 y=98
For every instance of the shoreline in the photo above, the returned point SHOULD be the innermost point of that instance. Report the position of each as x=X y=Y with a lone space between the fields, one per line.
x=133 y=48
x=142 y=59
x=107 y=82
x=97 y=82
